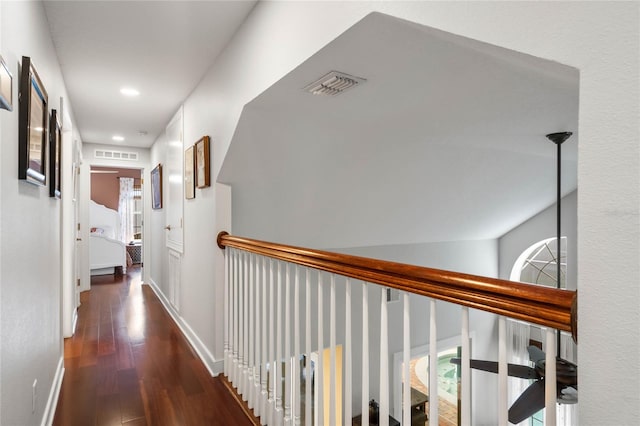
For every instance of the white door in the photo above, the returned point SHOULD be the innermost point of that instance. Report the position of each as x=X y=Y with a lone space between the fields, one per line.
x=175 y=186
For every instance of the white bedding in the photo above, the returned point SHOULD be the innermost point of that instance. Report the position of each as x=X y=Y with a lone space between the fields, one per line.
x=106 y=252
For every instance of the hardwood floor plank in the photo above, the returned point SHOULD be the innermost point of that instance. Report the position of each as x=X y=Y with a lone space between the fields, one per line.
x=129 y=364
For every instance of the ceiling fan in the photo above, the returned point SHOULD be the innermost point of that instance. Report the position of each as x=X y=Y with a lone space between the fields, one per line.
x=532 y=399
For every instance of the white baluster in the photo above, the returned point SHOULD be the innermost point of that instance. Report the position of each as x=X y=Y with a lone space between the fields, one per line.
x=272 y=346
x=348 y=411
x=307 y=368
x=287 y=347
x=295 y=400
x=319 y=365
x=332 y=352
x=503 y=403
x=465 y=417
x=406 y=355
x=365 y=354
x=250 y=361
x=433 y=363
x=236 y=319
x=550 y=386
x=226 y=312
x=264 y=392
x=384 y=360
x=278 y=363
x=242 y=389
x=257 y=365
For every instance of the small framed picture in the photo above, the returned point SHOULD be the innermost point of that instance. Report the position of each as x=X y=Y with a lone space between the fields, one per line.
x=6 y=86
x=32 y=122
x=156 y=187
x=189 y=169
x=202 y=163
x=55 y=154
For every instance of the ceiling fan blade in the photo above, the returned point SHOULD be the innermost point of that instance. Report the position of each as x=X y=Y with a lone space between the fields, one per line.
x=530 y=402
x=513 y=370
x=535 y=353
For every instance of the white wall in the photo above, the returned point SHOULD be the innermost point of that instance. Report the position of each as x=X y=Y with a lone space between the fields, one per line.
x=88 y=160
x=538 y=228
x=600 y=39
x=30 y=257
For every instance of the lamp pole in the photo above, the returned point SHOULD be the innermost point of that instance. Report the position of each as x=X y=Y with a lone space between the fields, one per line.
x=558 y=139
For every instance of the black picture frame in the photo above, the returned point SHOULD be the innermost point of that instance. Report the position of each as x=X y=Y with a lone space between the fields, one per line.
x=55 y=154
x=6 y=86
x=156 y=187
x=33 y=129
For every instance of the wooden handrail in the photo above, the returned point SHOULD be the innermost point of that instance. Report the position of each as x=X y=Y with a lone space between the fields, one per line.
x=546 y=306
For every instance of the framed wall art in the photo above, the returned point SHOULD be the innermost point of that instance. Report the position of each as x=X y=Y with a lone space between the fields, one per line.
x=32 y=122
x=156 y=187
x=55 y=154
x=189 y=170
x=202 y=163
x=6 y=86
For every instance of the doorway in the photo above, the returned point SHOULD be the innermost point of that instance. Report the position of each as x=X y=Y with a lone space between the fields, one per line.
x=120 y=191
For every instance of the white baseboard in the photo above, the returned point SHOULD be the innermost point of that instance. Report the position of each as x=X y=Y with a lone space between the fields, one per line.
x=54 y=393
x=214 y=366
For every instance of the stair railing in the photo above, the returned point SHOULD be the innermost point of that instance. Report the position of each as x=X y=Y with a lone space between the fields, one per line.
x=269 y=372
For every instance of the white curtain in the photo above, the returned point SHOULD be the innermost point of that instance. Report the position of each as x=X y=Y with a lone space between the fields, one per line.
x=518 y=334
x=125 y=209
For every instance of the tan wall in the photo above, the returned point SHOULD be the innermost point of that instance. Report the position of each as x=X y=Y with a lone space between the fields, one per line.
x=105 y=187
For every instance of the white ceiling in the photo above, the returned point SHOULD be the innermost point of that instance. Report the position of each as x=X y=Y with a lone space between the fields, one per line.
x=445 y=141
x=162 y=48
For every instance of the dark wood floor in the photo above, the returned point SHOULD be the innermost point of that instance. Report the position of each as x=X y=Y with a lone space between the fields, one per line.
x=129 y=364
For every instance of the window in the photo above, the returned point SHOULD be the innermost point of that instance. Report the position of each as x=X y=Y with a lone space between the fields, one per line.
x=537 y=264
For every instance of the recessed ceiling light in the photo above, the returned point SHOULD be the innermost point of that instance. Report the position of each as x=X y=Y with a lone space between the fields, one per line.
x=129 y=91
x=118 y=138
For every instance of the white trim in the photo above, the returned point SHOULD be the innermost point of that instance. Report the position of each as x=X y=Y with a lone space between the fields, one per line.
x=214 y=366
x=54 y=393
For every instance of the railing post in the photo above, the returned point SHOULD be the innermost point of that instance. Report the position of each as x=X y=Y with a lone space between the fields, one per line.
x=383 y=419
x=406 y=377
x=287 y=347
x=236 y=319
x=272 y=347
x=296 y=349
x=250 y=387
x=264 y=391
x=503 y=394
x=307 y=367
x=319 y=375
x=278 y=364
x=226 y=313
x=245 y=323
x=465 y=367
x=332 y=351
x=550 y=387
x=365 y=354
x=433 y=362
x=347 y=356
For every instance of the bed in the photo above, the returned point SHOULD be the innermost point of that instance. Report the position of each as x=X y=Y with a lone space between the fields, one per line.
x=107 y=254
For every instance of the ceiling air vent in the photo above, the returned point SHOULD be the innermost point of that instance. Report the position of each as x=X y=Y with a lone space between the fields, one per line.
x=333 y=84
x=115 y=155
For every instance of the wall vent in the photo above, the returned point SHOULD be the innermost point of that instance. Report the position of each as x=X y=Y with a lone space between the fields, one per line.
x=115 y=155
x=333 y=84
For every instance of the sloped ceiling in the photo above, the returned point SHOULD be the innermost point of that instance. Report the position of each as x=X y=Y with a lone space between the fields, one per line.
x=445 y=141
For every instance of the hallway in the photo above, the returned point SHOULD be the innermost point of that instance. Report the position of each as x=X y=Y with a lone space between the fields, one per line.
x=129 y=364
